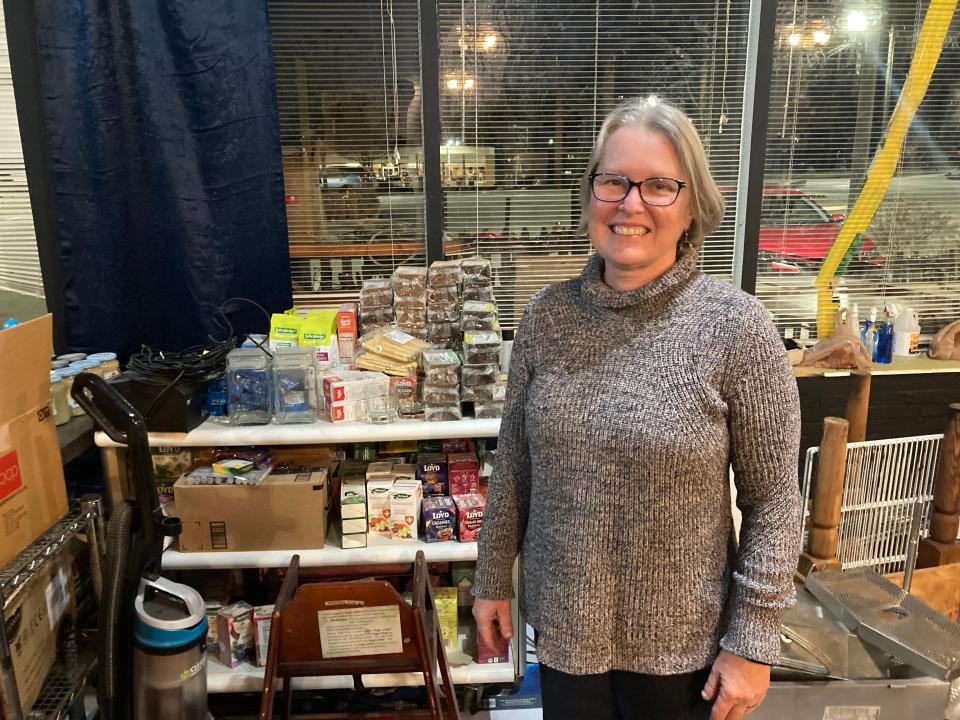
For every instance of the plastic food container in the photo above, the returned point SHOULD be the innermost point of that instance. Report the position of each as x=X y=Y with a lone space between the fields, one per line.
x=295 y=385
x=248 y=387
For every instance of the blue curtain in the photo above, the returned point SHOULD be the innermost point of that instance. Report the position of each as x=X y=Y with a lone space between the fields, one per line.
x=166 y=167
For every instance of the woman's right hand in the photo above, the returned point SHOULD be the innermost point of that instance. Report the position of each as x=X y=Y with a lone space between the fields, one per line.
x=494 y=624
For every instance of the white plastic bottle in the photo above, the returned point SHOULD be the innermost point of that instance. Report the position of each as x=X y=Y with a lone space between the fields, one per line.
x=906 y=333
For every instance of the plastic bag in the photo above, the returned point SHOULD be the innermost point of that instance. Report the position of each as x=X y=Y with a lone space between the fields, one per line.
x=945 y=345
x=842 y=350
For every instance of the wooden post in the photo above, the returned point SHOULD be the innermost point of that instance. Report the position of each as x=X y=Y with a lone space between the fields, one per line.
x=827 y=498
x=941 y=547
x=858 y=403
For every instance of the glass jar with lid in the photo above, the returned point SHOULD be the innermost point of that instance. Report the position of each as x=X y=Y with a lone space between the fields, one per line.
x=68 y=374
x=109 y=365
x=58 y=398
x=88 y=365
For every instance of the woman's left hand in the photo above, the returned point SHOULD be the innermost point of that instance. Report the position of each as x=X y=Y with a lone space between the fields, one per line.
x=736 y=685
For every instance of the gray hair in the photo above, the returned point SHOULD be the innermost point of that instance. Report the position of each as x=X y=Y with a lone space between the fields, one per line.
x=706 y=201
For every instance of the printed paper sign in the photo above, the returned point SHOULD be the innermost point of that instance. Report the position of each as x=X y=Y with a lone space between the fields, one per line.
x=360 y=631
x=851 y=712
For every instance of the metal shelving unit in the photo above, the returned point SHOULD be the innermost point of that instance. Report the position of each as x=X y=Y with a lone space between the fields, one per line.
x=65 y=682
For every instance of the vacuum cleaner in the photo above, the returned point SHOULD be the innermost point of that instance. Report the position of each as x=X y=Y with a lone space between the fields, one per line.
x=152 y=632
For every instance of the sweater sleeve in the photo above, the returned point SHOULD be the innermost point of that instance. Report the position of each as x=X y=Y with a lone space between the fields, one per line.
x=508 y=499
x=764 y=426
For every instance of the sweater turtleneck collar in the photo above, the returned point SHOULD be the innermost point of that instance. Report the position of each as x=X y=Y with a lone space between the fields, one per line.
x=661 y=289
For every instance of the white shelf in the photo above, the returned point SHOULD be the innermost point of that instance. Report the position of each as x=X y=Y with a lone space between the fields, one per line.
x=379 y=550
x=247 y=678
x=317 y=433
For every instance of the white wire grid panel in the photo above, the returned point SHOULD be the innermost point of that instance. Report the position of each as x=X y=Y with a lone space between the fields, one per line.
x=882 y=482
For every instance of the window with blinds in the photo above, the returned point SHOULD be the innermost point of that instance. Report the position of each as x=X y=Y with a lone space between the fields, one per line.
x=349 y=96
x=837 y=74
x=524 y=88
x=19 y=263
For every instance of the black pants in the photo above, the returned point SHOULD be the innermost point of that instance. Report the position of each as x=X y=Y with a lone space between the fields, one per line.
x=621 y=695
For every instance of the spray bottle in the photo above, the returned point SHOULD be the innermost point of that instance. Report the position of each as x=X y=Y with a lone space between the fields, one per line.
x=869 y=334
x=884 y=352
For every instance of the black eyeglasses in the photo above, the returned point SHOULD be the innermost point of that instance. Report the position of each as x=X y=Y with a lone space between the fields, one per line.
x=656 y=191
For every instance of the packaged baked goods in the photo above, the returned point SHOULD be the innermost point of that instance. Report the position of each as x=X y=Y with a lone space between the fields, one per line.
x=480 y=293
x=394 y=344
x=484 y=393
x=443 y=296
x=409 y=281
x=478 y=316
x=475 y=271
x=442 y=413
x=439 y=395
x=474 y=375
x=376 y=293
x=418 y=330
x=481 y=347
x=443 y=313
x=485 y=410
x=376 y=315
x=407 y=315
x=368 y=360
x=444 y=272
x=441 y=367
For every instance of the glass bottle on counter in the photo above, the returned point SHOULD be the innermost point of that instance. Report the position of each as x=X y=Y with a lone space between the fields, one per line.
x=58 y=398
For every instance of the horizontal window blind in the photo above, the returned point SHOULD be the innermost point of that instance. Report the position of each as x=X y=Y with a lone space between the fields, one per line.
x=838 y=70
x=19 y=263
x=524 y=88
x=349 y=96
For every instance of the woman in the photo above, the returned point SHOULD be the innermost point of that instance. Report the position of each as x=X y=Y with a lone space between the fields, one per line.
x=633 y=388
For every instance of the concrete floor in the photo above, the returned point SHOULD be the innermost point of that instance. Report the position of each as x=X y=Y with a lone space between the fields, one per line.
x=23 y=307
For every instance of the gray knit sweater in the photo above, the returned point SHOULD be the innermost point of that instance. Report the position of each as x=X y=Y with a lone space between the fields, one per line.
x=624 y=413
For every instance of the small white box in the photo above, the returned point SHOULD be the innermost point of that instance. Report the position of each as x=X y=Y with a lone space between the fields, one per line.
x=378 y=505
x=405 y=497
x=354 y=526
x=353 y=500
x=348 y=542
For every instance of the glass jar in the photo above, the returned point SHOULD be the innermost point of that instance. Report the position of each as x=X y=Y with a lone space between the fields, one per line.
x=109 y=365
x=72 y=357
x=68 y=374
x=58 y=398
x=295 y=384
x=248 y=387
x=58 y=364
x=88 y=365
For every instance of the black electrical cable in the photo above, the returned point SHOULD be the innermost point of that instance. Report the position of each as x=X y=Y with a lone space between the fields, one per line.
x=200 y=364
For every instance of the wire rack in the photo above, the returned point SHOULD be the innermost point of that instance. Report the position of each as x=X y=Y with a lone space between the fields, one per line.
x=64 y=683
x=883 y=481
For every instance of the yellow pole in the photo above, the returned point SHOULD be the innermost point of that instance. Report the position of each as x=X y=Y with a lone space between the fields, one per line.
x=936 y=22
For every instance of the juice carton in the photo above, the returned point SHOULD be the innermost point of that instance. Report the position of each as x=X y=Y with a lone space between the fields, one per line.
x=353 y=507
x=262 y=618
x=439 y=519
x=378 y=504
x=235 y=633
x=457 y=445
x=432 y=473
x=405 y=499
x=470 y=512
x=487 y=654
x=347 y=331
x=463 y=473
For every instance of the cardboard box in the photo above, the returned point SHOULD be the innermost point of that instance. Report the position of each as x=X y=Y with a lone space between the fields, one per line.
x=432 y=473
x=347 y=331
x=463 y=473
x=445 y=600
x=235 y=634
x=439 y=519
x=33 y=495
x=262 y=619
x=378 y=505
x=32 y=618
x=405 y=497
x=285 y=512
x=469 y=516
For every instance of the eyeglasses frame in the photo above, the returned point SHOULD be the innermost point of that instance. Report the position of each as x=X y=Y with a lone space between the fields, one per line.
x=636 y=183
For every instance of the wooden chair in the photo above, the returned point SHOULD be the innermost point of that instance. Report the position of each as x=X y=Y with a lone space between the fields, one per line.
x=317 y=621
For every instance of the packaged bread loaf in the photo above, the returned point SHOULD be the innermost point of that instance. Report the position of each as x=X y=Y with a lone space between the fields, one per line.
x=376 y=293
x=409 y=281
x=441 y=367
x=481 y=347
x=443 y=313
x=439 y=395
x=479 y=293
x=444 y=272
x=473 y=375
x=484 y=393
x=443 y=296
x=376 y=315
x=440 y=414
x=478 y=316
x=475 y=271
x=405 y=316
x=368 y=360
x=482 y=411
